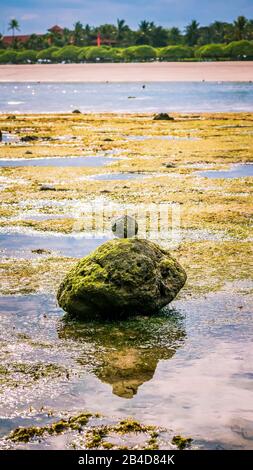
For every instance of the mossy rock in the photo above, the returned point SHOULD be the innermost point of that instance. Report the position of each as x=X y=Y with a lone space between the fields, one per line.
x=163 y=117
x=120 y=278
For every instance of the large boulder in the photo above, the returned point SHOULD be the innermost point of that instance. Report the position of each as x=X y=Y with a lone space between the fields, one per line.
x=122 y=277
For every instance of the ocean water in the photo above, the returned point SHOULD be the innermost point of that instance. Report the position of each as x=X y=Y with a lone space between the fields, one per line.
x=126 y=97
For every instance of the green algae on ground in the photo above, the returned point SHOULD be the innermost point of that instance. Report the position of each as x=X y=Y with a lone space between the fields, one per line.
x=25 y=434
x=152 y=443
x=95 y=436
x=24 y=374
x=91 y=436
x=37 y=371
x=181 y=442
x=131 y=425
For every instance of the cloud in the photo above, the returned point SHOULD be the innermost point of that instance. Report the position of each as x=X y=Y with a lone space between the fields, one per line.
x=29 y=17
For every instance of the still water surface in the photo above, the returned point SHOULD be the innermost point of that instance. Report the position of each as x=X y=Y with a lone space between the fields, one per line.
x=189 y=369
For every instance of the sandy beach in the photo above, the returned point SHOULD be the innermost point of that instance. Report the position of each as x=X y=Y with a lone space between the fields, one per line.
x=144 y=72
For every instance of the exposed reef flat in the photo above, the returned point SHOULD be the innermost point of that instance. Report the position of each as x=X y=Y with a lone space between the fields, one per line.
x=43 y=233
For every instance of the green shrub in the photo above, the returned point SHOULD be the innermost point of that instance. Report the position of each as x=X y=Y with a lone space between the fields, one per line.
x=67 y=54
x=25 y=57
x=47 y=54
x=176 y=52
x=116 y=54
x=82 y=55
x=210 y=51
x=103 y=54
x=239 y=49
x=139 y=53
x=8 y=57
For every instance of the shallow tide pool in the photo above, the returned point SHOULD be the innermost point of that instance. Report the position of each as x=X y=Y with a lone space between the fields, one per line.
x=94 y=161
x=188 y=369
x=236 y=171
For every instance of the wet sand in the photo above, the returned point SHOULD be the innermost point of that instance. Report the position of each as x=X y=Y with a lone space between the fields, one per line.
x=144 y=72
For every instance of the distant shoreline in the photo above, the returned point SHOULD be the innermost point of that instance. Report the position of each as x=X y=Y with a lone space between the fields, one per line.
x=241 y=71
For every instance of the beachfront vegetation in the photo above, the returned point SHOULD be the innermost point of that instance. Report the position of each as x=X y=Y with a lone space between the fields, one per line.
x=175 y=52
x=217 y=41
x=236 y=50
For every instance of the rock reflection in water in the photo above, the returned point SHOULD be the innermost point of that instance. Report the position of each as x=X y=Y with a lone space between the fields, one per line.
x=126 y=353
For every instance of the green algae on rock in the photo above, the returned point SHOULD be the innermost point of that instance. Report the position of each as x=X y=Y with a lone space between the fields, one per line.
x=120 y=278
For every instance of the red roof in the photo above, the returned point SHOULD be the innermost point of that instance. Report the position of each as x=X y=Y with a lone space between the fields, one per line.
x=7 y=40
x=56 y=29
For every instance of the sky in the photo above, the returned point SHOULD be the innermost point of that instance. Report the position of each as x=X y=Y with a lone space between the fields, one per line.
x=38 y=15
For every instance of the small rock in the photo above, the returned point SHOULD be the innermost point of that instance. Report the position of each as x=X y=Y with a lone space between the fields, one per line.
x=41 y=251
x=11 y=117
x=76 y=111
x=108 y=139
x=125 y=227
x=131 y=97
x=169 y=165
x=47 y=187
x=29 y=138
x=28 y=152
x=163 y=117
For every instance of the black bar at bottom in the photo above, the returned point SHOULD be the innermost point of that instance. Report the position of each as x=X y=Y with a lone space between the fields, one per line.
x=115 y=459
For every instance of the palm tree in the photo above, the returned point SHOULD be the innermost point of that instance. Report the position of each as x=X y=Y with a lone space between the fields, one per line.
x=121 y=29
x=144 y=32
x=250 y=29
x=240 y=26
x=159 y=36
x=217 y=31
x=144 y=26
x=13 y=26
x=192 y=33
x=108 y=32
x=174 y=36
x=78 y=33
